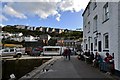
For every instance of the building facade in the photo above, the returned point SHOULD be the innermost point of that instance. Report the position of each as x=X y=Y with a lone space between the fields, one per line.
x=101 y=29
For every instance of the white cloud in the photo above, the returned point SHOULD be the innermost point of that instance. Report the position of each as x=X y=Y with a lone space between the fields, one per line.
x=3 y=18
x=2 y=25
x=58 y=17
x=45 y=10
x=42 y=8
x=10 y=11
x=31 y=0
x=73 y=5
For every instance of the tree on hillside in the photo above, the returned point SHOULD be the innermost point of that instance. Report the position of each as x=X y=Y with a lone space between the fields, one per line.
x=52 y=42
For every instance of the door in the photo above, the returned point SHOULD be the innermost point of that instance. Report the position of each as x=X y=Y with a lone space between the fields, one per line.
x=5 y=52
x=12 y=51
x=91 y=46
x=99 y=46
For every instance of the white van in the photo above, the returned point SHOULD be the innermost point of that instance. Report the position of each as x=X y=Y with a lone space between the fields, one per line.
x=52 y=50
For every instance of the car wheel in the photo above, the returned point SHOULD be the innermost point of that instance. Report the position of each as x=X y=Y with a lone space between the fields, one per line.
x=19 y=55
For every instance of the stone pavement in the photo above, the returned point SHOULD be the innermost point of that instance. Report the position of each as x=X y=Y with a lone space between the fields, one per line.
x=62 y=68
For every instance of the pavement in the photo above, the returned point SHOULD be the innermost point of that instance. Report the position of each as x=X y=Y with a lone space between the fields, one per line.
x=26 y=57
x=74 y=68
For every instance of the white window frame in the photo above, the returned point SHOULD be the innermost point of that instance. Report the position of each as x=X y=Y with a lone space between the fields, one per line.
x=95 y=20
x=106 y=12
x=88 y=26
x=85 y=42
x=94 y=4
x=88 y=10
x=95 y=43
x=106 y=44
x=88 y=43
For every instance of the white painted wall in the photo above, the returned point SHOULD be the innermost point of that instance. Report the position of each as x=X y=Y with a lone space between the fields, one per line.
x=0 y=59
x=118 y=36
x=110 y=27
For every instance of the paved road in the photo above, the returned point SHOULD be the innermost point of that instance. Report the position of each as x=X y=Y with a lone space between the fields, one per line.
x=71 y=69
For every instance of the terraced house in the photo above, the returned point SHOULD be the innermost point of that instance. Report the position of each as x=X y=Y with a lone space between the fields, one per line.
x=101 y=29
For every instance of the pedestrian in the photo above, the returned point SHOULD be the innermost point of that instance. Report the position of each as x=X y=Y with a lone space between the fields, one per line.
x=100 y=63
x=65 y=53
x=91 y=57
x=96 y=59
x=112 y=64
x=108 y=60
x=88 y=53
x=69 y=53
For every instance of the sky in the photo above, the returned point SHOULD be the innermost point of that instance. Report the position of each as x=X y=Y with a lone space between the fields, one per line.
x=64 y=14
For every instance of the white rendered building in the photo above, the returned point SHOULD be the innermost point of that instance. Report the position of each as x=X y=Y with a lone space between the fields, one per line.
x=101 y=29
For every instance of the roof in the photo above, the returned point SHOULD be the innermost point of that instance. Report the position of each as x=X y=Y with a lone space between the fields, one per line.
x=86 y=8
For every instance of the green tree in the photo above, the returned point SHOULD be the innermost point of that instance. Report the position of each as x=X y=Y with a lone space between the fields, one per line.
x=52 y=42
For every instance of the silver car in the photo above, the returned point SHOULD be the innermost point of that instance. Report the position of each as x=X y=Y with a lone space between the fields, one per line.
x=9 y=52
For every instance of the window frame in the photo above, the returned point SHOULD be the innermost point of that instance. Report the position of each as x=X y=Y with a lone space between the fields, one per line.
x=95 y=24
x=94 y=4
x=88 y=10
x=12 y=50
x=106 y=44
x=95 y=43
x=105 y=12
x=89 y=27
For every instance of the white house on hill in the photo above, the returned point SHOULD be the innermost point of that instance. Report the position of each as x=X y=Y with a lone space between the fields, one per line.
x=101 y=29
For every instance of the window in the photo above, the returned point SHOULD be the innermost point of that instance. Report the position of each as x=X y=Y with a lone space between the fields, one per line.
x=86 y=46
x=6 y=50
x=91 y=46
x=88 y=10
x=105 y=12
x=94 y=4
x=95 y=43
x=99 y=46
x=85 y=40
x=11 y=50
x=51 y=49
x=85 y=31
x=89 y=43
x=106 y=41
x=88 y=26
x=95 y=20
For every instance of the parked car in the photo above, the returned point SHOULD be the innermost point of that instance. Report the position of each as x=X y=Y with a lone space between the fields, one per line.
x=35 y=52
x=39 y=48
x=11 y=52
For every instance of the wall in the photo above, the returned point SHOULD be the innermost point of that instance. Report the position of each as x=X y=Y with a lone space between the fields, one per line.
x=119 y=36
x=110 y=27
x=0 y=57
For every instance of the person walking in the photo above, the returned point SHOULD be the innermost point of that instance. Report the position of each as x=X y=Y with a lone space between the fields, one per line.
x=96 y=60
x=91 y=57
x=65 y=53
x=69 y=53
x=108 y=60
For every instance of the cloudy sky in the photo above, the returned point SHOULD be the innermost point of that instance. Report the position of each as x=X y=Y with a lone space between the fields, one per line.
x=66 y=14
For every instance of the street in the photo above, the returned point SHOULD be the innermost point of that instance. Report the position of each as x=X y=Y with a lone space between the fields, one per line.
x=74 y=68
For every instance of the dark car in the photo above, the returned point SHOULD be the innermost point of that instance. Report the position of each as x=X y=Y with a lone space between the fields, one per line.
x=40 y=48
x=36 y=51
